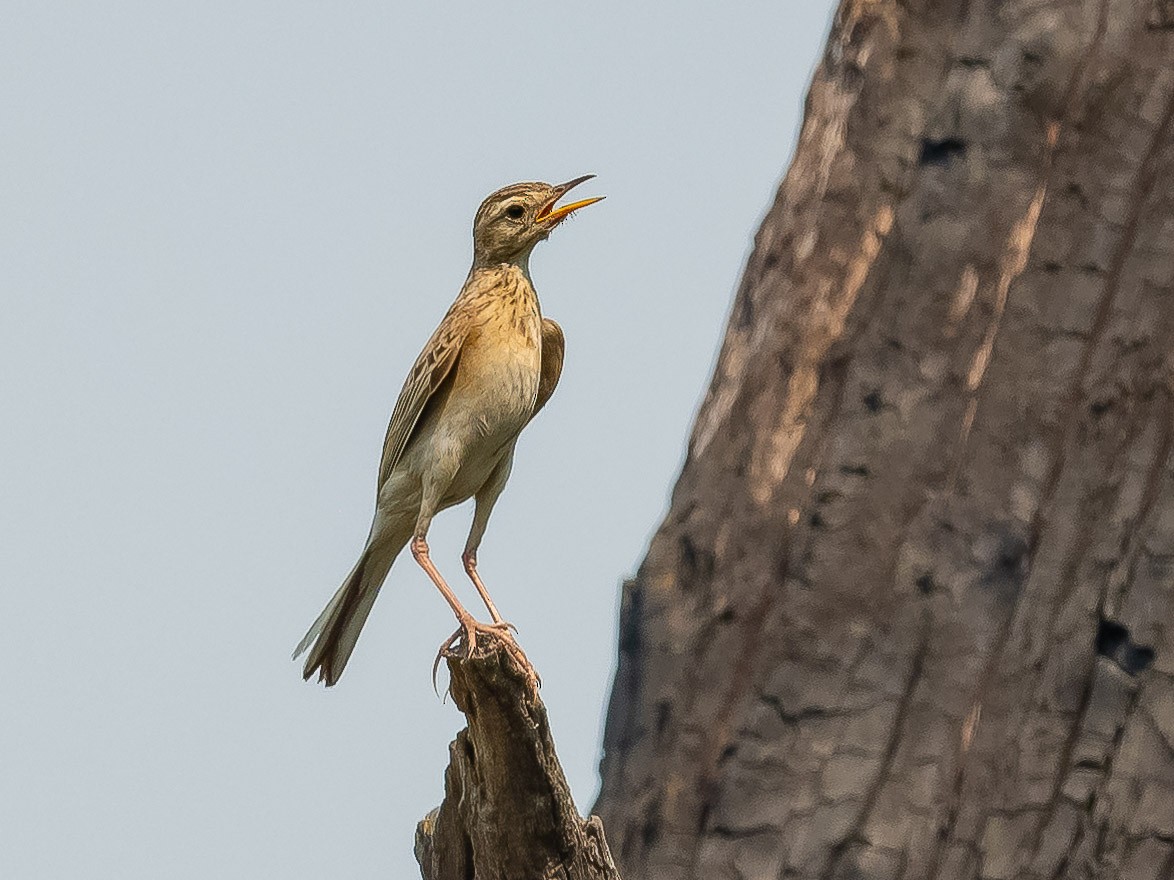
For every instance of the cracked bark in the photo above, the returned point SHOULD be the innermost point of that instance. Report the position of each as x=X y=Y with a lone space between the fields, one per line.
x=507 y=812
x=911 y=612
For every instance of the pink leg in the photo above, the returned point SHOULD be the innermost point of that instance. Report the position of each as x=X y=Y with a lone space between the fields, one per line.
x=469 y=558
x=468 y=625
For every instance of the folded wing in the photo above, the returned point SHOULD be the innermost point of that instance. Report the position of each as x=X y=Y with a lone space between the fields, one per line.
x=553 y=346
x=432 y=367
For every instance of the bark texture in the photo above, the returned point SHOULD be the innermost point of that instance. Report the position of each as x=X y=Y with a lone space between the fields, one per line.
x=507 y=812
x=910 y=612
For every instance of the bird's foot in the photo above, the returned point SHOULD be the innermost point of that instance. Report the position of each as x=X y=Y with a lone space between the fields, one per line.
x=466 y=636
x=463 y=643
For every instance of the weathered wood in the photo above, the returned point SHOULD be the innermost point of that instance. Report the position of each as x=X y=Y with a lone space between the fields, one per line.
x=507 y=812
x=911 y=612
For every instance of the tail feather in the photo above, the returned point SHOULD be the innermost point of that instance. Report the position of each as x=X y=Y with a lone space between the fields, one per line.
x=332 y=637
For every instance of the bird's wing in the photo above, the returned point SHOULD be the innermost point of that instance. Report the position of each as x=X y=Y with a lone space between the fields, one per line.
x=432 y=367
x=553 y=347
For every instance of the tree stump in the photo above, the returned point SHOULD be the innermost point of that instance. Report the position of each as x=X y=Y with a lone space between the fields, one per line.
x=507 y=812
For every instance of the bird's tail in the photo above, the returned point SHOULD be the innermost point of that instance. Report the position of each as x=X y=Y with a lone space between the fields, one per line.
x=334 y=634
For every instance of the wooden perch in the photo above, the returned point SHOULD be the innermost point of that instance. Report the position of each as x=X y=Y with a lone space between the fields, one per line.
x=507 y=812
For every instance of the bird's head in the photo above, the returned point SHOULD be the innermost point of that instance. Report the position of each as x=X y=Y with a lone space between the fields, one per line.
x=515 y=218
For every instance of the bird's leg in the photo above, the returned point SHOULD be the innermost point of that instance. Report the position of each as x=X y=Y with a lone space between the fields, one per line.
x=486 y=498
x=469 y=558
x=469 y=626
x=533 y=680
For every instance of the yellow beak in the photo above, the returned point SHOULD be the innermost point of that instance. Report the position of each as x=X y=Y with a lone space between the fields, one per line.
x=564 y=211
x=552 y=215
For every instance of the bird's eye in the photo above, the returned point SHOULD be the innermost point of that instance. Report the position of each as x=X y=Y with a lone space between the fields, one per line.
x=515 y=212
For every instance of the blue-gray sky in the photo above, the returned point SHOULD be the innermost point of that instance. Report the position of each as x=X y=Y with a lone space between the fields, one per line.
x=226 y=229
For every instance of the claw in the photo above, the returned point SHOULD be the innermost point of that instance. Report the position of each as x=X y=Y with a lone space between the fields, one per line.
x=446 y=648
x=466 y=635
x=436 y=664
x=533 y=680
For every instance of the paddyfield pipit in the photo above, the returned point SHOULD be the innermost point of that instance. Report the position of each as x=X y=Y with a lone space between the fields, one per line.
x=488 y=369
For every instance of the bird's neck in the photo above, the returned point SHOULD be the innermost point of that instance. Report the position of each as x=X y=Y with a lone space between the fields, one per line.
x=520 y=263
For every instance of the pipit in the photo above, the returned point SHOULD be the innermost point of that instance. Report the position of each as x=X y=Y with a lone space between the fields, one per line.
x=488 y=369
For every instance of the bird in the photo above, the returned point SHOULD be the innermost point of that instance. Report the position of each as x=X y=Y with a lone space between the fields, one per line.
x=490 y=366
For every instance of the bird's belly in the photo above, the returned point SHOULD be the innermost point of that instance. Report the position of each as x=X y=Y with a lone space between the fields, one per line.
x=472 y=475
x=504 y=398
x=491 y=401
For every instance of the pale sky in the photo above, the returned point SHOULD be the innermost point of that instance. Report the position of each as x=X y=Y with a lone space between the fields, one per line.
x=226 y=230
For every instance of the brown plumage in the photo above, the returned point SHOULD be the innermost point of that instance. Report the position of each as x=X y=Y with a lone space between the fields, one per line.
x=490 y=366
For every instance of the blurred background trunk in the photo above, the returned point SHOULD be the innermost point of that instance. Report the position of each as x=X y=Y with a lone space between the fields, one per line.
x=909 y=614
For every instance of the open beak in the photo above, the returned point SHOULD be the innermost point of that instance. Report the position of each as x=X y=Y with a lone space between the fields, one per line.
x=551 y=215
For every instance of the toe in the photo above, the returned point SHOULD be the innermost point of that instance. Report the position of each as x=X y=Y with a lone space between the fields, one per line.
x=470 y=641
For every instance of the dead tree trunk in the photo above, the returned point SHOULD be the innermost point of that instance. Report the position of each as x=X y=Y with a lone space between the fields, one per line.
x=507 y=812
x=910 y=613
